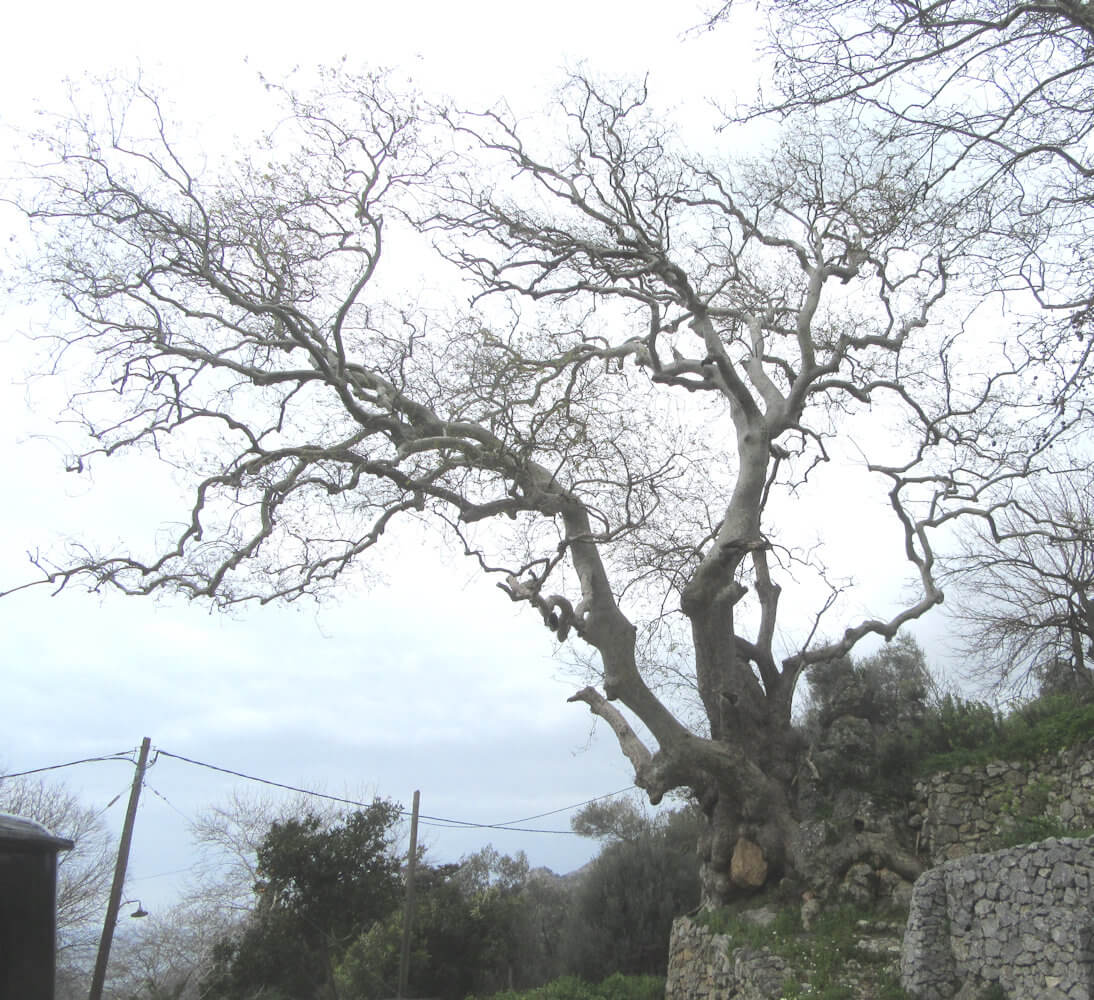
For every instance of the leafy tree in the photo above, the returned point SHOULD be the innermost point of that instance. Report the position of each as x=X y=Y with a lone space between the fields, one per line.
x=320 y=886
x=888 y=696
x=889 y=688
x=664 y=347
x=477 y=929
x=645 y=876
x=611 y=820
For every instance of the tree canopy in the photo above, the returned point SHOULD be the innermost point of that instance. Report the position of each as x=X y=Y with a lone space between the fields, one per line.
x=664 y=349
x=993 y=100
x=320 y=885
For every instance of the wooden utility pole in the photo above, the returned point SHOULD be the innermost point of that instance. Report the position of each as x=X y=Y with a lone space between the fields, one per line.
x=112 y=906
x=408 y=913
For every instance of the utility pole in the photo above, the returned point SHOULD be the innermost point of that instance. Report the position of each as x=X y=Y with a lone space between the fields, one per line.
x=112 y=906
x=408 y=913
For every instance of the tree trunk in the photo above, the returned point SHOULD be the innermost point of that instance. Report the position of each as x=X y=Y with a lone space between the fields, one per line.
x=752 y=822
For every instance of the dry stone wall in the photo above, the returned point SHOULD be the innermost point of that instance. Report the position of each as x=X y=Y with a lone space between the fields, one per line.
x=970 y=810
x=1023 y=917
x=1020 y=918
x=702 y=966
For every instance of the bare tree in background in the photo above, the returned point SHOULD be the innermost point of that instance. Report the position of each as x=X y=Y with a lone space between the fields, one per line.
x=228 y=836
x=164 y=955
x=167 y=955
x=662 y=351
x=84 y=874
x=1024 y=587
x=995 y=101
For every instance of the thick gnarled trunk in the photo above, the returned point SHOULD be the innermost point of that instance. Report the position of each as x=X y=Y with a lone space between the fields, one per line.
x=752 y=820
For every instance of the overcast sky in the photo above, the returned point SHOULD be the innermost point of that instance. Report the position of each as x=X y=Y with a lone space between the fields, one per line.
x=432 y=680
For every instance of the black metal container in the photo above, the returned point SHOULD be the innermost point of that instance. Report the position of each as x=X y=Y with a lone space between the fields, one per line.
x=28 y=908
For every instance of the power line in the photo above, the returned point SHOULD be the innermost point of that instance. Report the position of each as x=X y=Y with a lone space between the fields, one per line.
x=576 y=805
x=122 y=755
x=167 y=802
x=108 y=805
x=437 y=821
x=176 y=871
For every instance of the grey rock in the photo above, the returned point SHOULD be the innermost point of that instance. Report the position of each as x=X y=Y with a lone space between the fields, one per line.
x=1034 y=939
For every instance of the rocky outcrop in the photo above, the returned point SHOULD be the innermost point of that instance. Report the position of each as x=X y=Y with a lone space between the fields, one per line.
x=1021 y=918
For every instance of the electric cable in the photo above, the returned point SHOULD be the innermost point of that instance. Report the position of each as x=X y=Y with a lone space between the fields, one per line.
x=168 y=803
x=576 y=805
x=435 y=821
x=441 y=822
x=121 y=755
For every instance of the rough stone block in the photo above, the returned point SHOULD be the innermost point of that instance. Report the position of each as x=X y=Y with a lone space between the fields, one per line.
x=747 y=868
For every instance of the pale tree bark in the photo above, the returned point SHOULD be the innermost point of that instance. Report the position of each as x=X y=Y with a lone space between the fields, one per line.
x=658 y=347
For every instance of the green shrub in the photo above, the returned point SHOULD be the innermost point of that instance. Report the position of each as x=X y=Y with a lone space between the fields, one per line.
x=616 y=987
x=1029 y=830
x=1039 y=727
x=621 y=987
x=744 y=932
x=961 y=724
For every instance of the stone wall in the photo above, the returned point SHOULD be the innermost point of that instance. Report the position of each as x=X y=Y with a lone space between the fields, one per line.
x=1027 y=904
x=702 y=967
x=1020 y=918
x=967 y=811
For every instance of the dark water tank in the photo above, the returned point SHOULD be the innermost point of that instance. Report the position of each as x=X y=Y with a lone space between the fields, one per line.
x=28 y=905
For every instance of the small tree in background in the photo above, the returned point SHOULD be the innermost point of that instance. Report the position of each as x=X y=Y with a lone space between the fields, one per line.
x=888 y=688
x=646 y=875
x=483 y=925
x=320 y=886
x=1024 y=590
x=870 y=720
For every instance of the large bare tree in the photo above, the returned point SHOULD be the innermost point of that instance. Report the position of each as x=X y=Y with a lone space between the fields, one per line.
x=620 y=431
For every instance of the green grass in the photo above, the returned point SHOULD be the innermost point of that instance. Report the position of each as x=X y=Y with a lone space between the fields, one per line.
x=1043 y=726
x=820 y=956
x=616 y=987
